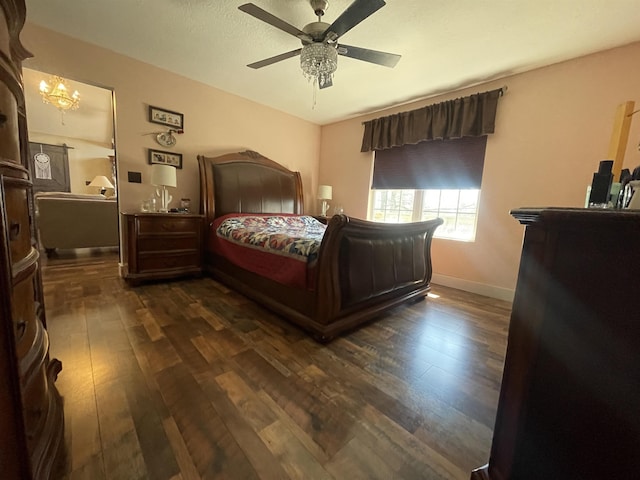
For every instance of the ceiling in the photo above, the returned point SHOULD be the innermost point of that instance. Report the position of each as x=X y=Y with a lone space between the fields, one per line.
x=445 y=45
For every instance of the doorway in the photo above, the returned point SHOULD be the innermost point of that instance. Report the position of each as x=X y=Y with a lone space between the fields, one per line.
x=73 y=164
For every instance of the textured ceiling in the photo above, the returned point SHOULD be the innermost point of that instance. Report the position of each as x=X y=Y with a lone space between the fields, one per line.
x=445 y=44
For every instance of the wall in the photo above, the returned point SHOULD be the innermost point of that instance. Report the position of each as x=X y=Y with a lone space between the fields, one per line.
x=215 y=122
x=552 y=128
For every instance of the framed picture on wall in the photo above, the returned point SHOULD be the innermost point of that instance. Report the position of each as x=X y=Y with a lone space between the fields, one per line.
x=166 y=117
x=165 y=158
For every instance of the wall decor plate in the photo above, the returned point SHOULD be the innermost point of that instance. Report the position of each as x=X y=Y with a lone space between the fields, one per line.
x=166 y=139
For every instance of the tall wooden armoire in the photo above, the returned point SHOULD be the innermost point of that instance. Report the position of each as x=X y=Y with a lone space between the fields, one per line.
x=31 y=416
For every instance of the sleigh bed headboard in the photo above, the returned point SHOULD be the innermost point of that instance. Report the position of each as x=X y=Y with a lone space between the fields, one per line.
x=247 y=182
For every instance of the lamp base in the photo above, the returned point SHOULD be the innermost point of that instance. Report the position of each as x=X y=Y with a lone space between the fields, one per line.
x=325 y=207
x=165 y=199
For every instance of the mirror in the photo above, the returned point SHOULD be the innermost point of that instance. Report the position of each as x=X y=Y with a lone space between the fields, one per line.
x=72 y=158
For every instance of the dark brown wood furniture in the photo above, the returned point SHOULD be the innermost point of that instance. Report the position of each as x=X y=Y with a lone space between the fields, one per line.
x=569 y=404
x=161 y=245
x=363 y=268
x=31 y=417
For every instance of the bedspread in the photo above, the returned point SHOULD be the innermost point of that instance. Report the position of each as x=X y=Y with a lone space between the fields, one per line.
x=297 y=237
x=283 y=248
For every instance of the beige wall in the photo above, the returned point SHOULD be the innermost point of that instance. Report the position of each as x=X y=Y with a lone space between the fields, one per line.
x=215 y=122
x=552 y=128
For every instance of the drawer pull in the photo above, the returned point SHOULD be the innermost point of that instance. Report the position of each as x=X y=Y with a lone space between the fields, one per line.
x=14 y=230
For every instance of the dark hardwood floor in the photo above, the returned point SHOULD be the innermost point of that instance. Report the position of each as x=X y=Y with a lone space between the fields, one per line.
x=189 y=380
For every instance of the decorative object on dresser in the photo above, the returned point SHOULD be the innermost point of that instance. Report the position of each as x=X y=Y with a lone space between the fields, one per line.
x=361 y=268
x=31 y=416
x=161 y=246
x=570 y=394
x=163 y=176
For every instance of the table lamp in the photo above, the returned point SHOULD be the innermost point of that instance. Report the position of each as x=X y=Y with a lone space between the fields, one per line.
x=324 y=194
x=163 y=176
x=102 y=182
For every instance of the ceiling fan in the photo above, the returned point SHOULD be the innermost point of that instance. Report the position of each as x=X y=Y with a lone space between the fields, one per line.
x=320 y=47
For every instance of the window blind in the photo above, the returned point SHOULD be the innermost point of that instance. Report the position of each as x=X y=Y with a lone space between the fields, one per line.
x=437 y=164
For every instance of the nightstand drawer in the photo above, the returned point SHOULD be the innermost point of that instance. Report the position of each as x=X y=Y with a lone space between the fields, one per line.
x=148 y=262
x=167 y=224
x=164 y=243
x=161 y=245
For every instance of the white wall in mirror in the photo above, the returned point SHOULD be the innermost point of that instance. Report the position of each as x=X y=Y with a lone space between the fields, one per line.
x=88 y=130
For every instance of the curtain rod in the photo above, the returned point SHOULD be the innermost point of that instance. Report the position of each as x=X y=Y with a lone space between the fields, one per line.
x=502 y=89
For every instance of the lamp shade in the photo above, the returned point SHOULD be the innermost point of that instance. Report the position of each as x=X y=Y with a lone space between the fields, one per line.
x=163 y=175
x=325 y=192
x=101 y=181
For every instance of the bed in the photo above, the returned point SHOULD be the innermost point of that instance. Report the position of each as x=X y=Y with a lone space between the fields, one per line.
x=359 y=269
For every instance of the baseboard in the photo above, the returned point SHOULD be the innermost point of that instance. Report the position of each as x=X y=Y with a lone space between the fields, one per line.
x=492 y=291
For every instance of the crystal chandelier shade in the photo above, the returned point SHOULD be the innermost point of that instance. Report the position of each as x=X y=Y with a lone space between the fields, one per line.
x=318 y=62
x=56 y=92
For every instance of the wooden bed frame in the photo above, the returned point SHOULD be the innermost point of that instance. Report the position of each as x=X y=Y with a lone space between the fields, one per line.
x=363 y=267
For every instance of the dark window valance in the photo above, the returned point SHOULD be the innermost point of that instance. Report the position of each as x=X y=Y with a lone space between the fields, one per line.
x=467 y=116
x=441 y=164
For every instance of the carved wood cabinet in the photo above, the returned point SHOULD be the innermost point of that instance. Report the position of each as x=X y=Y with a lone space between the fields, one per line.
x=31 y=417
x=569 y=404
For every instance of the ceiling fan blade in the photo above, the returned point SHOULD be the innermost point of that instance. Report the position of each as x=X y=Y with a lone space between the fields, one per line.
x=277 y=58
x=272 y=20
x=373 y=56
x=352 y=16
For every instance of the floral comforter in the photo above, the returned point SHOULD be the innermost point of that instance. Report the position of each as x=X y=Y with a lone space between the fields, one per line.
x=298 y=237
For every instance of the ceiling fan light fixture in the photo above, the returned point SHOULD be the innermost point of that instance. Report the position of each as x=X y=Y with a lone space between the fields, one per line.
x=318 y=62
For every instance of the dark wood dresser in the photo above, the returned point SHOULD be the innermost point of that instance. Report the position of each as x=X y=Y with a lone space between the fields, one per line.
x=31 y=417
x=569 y=404
x=161 y=245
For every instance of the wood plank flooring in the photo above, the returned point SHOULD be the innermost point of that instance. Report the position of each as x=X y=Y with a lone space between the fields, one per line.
x=189 y=380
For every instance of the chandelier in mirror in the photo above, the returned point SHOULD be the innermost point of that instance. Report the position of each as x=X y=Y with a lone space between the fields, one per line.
x=56 y=92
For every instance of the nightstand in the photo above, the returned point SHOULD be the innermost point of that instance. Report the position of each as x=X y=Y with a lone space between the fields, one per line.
x=161 y=245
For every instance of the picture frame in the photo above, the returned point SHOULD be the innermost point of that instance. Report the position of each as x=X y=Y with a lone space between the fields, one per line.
x=166 y=117
x=161 y=157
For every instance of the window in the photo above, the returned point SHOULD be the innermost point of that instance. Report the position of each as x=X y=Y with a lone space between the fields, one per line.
x=458 y=209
